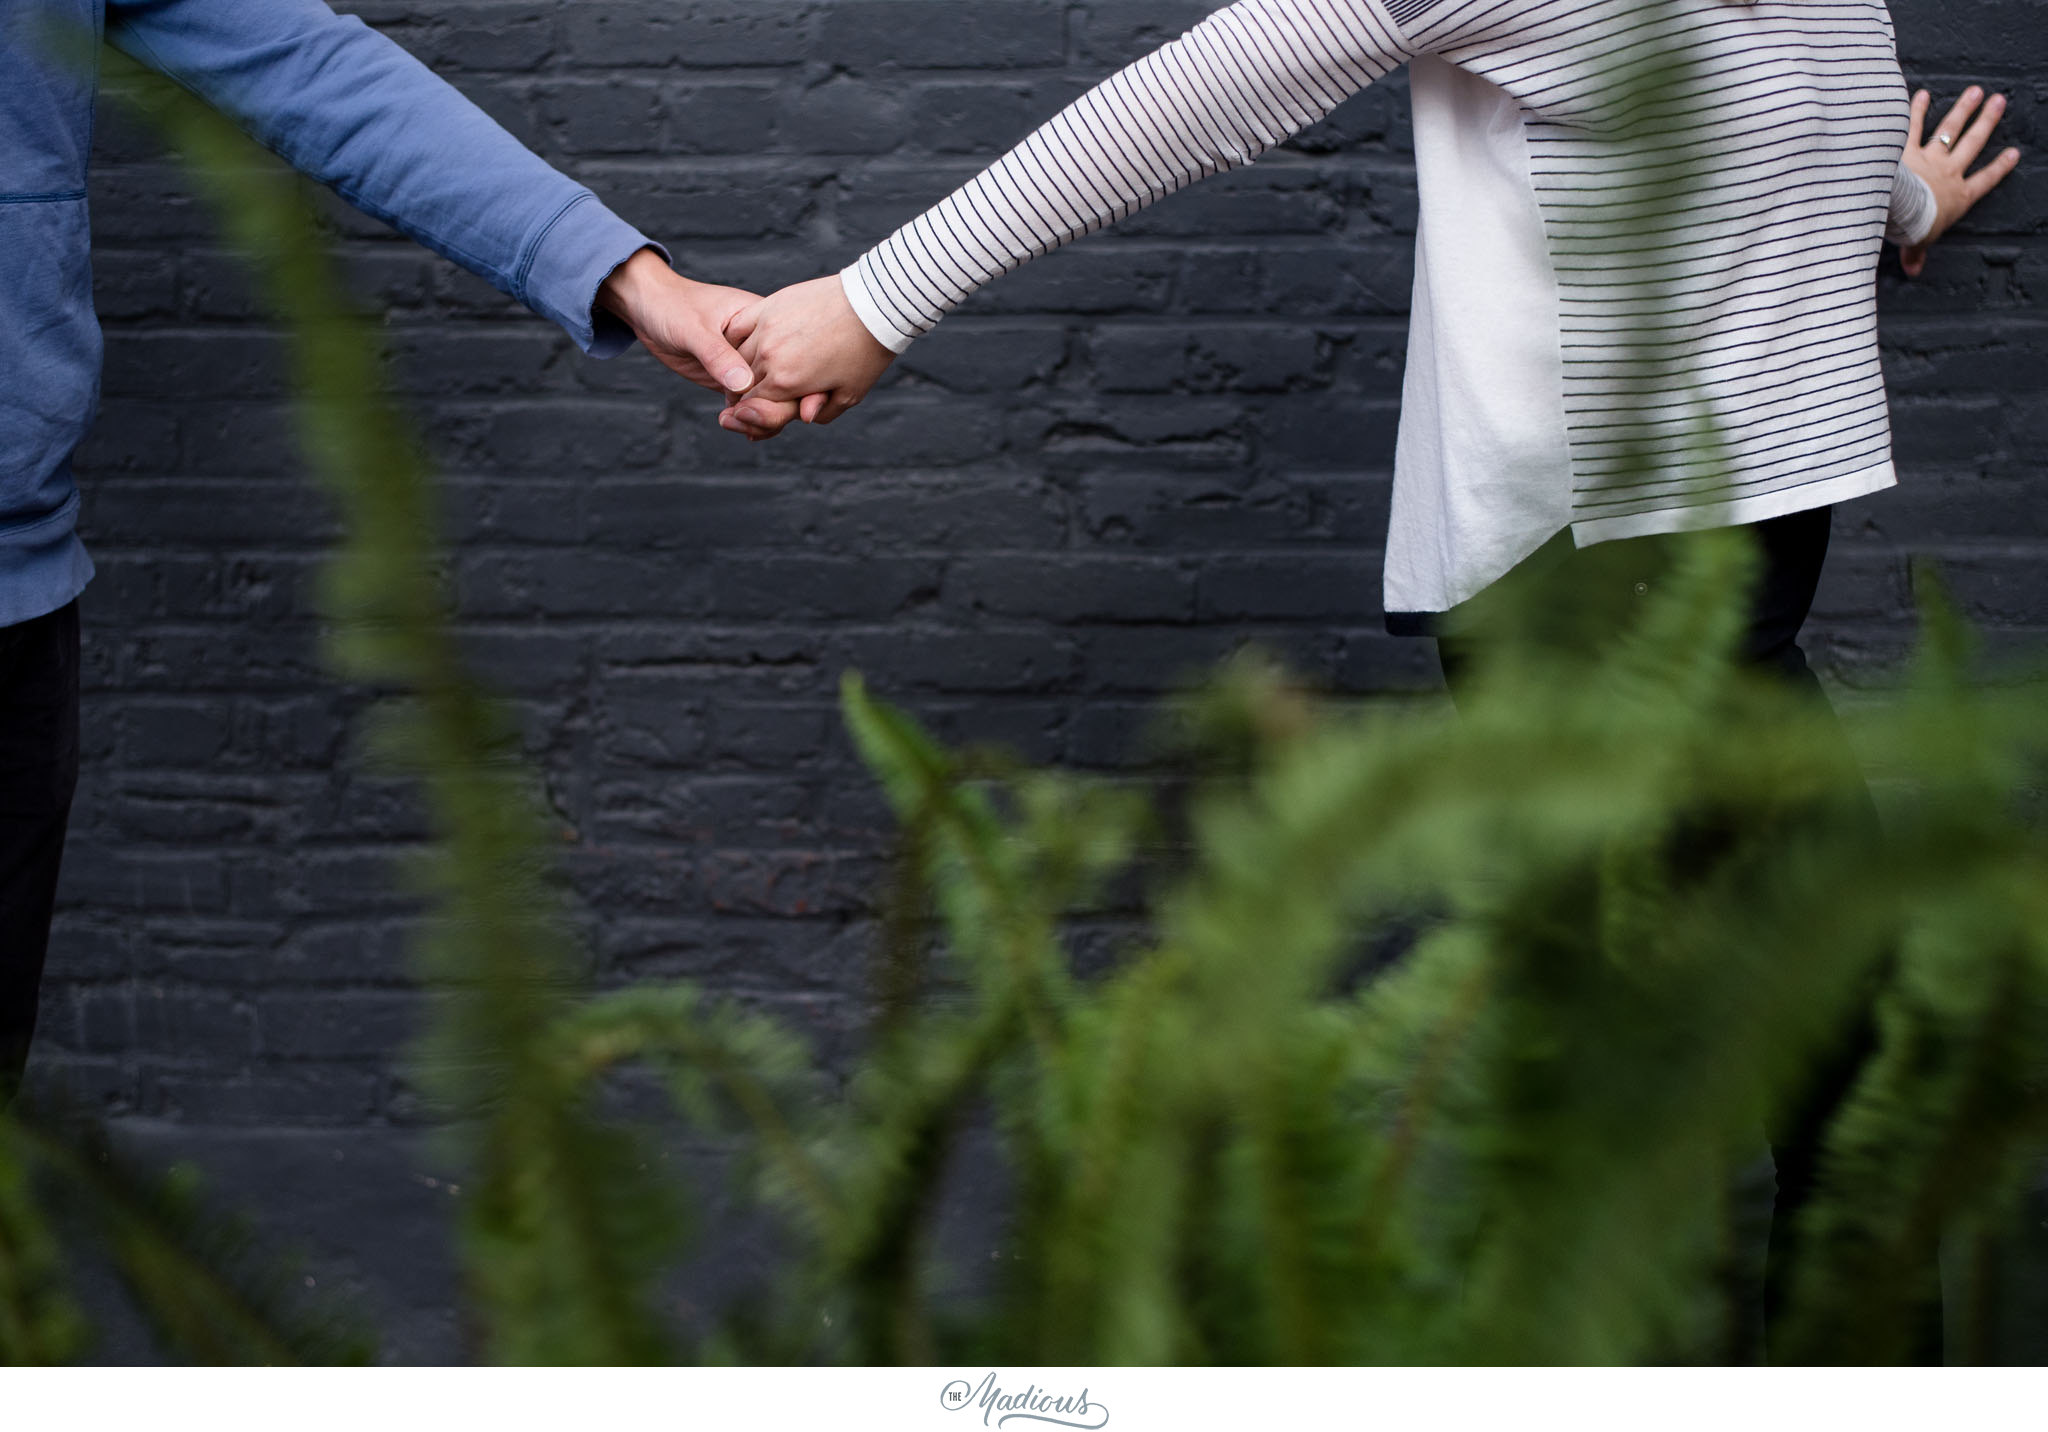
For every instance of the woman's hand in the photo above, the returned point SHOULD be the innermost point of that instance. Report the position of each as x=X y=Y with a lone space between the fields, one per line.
x=806 y=344
x=1944 y=159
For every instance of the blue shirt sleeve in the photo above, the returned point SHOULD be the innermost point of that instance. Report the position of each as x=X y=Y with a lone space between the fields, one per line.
x=350 y=108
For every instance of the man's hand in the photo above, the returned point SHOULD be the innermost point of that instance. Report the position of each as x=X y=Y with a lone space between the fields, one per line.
x=804 y=344
x=682 y=322
x=1944 y=162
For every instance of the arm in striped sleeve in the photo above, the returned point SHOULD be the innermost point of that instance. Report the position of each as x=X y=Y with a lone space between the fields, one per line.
x=1913 y=209
x=1215 y=99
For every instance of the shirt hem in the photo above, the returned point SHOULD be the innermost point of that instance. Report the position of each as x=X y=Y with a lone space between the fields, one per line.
x=1734 y=512
x=38 y=577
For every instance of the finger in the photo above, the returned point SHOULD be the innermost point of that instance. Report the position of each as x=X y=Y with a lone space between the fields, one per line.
x=1918 y=126
x=740 y=327
x=721 y=359
x=1912 y=261
x=812 y=405
x=1951 y=127
x=755 y=431
x=772 y=416
x=1991 y=175
x=1979 y=134
x=837 y=408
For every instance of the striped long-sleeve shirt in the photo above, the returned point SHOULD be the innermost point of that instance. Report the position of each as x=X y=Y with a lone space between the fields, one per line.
x=1644 y=292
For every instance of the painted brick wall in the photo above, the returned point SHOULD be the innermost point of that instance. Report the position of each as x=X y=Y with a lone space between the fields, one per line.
x=1107 y=471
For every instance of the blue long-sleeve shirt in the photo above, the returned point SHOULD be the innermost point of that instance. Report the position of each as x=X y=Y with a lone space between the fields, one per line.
x=334 y=98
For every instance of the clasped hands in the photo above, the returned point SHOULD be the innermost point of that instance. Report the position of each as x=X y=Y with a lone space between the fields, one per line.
x=802 y=353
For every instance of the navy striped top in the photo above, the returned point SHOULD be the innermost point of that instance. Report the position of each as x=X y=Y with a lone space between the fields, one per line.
x=1644 y=292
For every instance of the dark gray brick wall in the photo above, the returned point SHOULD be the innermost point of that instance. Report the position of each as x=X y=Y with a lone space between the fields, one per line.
x=1109 y=470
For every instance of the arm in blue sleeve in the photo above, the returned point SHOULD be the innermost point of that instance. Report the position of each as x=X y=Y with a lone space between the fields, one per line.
x=345 y=105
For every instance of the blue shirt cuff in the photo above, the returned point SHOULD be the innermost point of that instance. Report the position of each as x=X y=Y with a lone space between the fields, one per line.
x=574 y=255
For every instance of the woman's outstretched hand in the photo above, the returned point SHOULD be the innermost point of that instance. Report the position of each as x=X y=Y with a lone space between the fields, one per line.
x=1944 y=158
x=807 y=344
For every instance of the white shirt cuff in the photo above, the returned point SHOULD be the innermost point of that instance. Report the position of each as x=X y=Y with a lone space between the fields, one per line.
x=856 y=285
x=1913 y=210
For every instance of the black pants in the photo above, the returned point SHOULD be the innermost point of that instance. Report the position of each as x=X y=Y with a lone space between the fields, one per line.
x=38 y=772
x=1793 y=550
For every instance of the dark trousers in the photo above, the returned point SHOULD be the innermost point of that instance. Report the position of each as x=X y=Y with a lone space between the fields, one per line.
x=38 y=772
x=1792 y=550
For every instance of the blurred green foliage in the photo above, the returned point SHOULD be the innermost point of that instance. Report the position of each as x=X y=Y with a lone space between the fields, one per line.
x=1654 y=896
x=1643 y=893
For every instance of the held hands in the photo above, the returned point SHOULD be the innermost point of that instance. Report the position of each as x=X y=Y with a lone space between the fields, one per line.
x=804 y=343
x=1944 y=160
x=810 y=354
x=682 y=322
